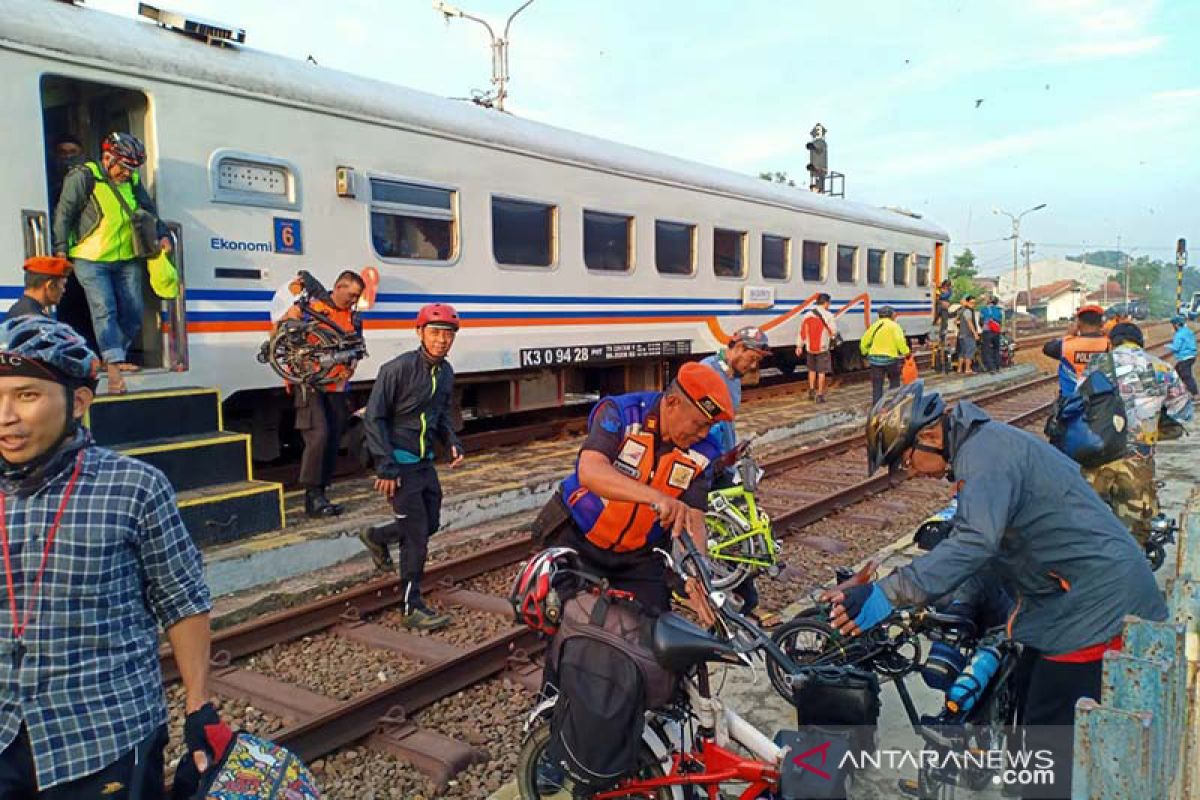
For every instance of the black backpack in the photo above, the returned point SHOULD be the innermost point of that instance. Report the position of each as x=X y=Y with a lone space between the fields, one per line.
x=1090 y=425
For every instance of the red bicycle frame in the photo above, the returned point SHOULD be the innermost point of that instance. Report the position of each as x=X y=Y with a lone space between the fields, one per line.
x=716 y=766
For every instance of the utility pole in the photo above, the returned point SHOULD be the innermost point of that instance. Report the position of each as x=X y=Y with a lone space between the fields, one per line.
x=499 y=49
x=1016 y=235
x=1180 y=265
x=1125 y=264
x=1028 y=248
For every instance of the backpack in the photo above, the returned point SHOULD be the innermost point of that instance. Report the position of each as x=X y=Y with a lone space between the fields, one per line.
x=607 y=678
x=1090 y=425
x=256 y=769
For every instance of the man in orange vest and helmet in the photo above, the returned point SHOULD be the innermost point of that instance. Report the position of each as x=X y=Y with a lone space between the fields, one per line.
x=1085 y=339
x=643 y=476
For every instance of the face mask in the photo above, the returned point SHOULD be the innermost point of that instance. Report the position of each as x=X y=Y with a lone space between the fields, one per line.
x=64 y=163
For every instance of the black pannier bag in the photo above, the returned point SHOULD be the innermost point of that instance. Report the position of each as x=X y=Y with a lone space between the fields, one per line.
x=607 y=677
x=1090 y=425
x=815 y=767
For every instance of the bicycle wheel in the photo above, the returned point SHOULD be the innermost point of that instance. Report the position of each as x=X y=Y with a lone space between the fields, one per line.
x=539 y=780
x=726 y=571
x=806 y=640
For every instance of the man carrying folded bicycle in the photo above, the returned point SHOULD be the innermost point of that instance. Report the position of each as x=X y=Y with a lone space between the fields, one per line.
x=1024 y=511
x=641 y=477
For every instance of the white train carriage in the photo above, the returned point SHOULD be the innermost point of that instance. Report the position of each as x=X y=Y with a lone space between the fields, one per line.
x=579 y=265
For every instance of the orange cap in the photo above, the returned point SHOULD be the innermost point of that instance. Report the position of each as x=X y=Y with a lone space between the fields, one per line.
x=1093 y=308
x=705 y=387
x=48 y=265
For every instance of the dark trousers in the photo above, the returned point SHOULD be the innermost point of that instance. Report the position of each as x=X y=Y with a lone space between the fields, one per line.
x=137 y=775
x=1184 y=368
x=1048 y=711
x=643 y=574
x=417 y=506
x=991 y=351
x=320 y=418
x=878 y=371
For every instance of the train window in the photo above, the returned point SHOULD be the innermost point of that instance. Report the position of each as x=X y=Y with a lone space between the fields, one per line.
x=875 y=267
x=900 y=269
x=412 y=221
x=776 y=257
x=729 y=253
x=522 y=232
x=847 y=263
x=922 y=270
x=253 y=180
x=813 y=265
x=674 y=247
x=607 y=241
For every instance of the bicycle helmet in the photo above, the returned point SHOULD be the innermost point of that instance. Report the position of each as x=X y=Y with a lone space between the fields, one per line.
x=752 y=337
x=895 y=421
x=1178 y=320
x=126 y=148
x=886 y=311
x=1124 y=332
x=54 y=349
x=535 y=595
x=439 y=315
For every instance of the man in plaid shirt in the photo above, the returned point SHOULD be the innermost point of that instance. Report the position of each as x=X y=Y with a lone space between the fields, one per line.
x=95 y=559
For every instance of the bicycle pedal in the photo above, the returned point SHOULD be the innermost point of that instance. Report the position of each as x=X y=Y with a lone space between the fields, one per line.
x=909 y=787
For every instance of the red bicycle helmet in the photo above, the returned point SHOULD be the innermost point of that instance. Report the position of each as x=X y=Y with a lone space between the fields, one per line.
x=534 y=595
x=126 y=148
x=439 y=315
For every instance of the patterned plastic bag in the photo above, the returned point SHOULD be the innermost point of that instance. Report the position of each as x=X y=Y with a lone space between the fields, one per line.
x=256 y=769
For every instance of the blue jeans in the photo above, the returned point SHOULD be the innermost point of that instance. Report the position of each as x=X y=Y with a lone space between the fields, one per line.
x=114 y=295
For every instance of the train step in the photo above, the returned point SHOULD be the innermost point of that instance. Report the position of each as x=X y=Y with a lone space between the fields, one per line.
x=179 y=431
x=121 y=420
x=228 y=512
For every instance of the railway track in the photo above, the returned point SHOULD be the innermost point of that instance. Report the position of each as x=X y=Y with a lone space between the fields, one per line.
x=417 y=672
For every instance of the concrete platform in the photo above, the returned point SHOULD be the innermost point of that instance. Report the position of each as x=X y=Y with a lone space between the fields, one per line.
x=492 y=491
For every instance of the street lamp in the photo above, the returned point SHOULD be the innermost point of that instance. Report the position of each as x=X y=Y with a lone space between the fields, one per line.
x=499 y=48
x=1016 y=234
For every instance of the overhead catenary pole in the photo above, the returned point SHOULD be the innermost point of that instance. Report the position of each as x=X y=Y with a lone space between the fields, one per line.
x=1180 y=265
x=1028 y=248
x=1016 y=235
x=499 y=47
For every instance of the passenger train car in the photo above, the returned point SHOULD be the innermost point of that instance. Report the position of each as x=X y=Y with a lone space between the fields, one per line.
x=579 y=265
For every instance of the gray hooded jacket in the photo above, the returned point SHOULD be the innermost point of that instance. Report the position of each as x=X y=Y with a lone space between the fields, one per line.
x=1072 y=568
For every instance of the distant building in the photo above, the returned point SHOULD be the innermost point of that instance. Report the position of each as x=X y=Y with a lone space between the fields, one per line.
x=1110 y=294
x=987 y=283
x=1052 y=270
x=1054 y=301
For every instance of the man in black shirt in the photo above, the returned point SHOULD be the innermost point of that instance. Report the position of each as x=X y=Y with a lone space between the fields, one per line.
x=45 y=282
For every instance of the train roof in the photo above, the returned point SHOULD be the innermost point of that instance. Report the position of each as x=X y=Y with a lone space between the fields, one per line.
x=111 y=41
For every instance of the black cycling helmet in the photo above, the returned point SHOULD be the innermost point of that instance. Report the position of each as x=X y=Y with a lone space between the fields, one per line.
x=58 y=353
x=895 y=421
x=1124 y=332
x=886 y=311
x=126 y=148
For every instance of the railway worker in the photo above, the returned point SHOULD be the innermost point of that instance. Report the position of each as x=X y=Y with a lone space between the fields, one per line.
x=1024 y=511
x=968 y=336
x=1084 y=340
x=45 y=283
x=642 y=475
x=96 y=559
x=407 y=415
x=1148 y=387
x=818 y=334
x=94 y=225
x=885 y=347
x=991 y=322
x=321 y=411
x=1183 y=347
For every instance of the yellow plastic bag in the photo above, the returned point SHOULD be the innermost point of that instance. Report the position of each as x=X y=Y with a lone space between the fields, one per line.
x=164 y=278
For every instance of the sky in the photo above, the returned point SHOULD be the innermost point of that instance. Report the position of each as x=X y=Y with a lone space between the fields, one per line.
x=1089 y=106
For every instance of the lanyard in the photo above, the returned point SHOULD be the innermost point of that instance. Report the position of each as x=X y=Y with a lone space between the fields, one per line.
x=18 y=626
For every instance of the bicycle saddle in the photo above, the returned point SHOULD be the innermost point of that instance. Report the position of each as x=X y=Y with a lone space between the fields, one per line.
x=951 y=621
x=679 y=645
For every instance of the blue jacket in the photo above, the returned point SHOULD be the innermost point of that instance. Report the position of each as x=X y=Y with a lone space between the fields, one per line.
x=991 y=312
x=724 y=432
x=1183 y=344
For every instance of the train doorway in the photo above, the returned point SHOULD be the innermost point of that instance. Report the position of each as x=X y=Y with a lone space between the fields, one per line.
x=76 y=116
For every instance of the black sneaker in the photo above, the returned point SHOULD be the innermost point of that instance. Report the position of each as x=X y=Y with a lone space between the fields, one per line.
x=380 y=554
x=423 y=618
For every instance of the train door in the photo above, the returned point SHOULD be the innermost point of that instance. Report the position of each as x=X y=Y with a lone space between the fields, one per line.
x=76 y=116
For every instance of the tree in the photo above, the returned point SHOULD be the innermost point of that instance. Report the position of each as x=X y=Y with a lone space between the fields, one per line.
x=962 y=276
x=1113 y=259
x=777 y=177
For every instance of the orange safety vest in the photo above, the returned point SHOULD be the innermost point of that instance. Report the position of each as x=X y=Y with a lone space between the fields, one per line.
x=344 y=319
x=1077 y=353
x=621 y=526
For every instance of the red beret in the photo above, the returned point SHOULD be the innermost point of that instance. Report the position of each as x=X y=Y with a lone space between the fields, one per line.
x=1093 y=308
x=48 y=265
x=705 y=387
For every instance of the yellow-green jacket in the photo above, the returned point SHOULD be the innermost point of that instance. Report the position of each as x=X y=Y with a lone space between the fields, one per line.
x=884 y=341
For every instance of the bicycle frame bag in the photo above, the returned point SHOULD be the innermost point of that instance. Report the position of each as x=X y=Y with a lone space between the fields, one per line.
x=813 y=767
x=840 y=698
